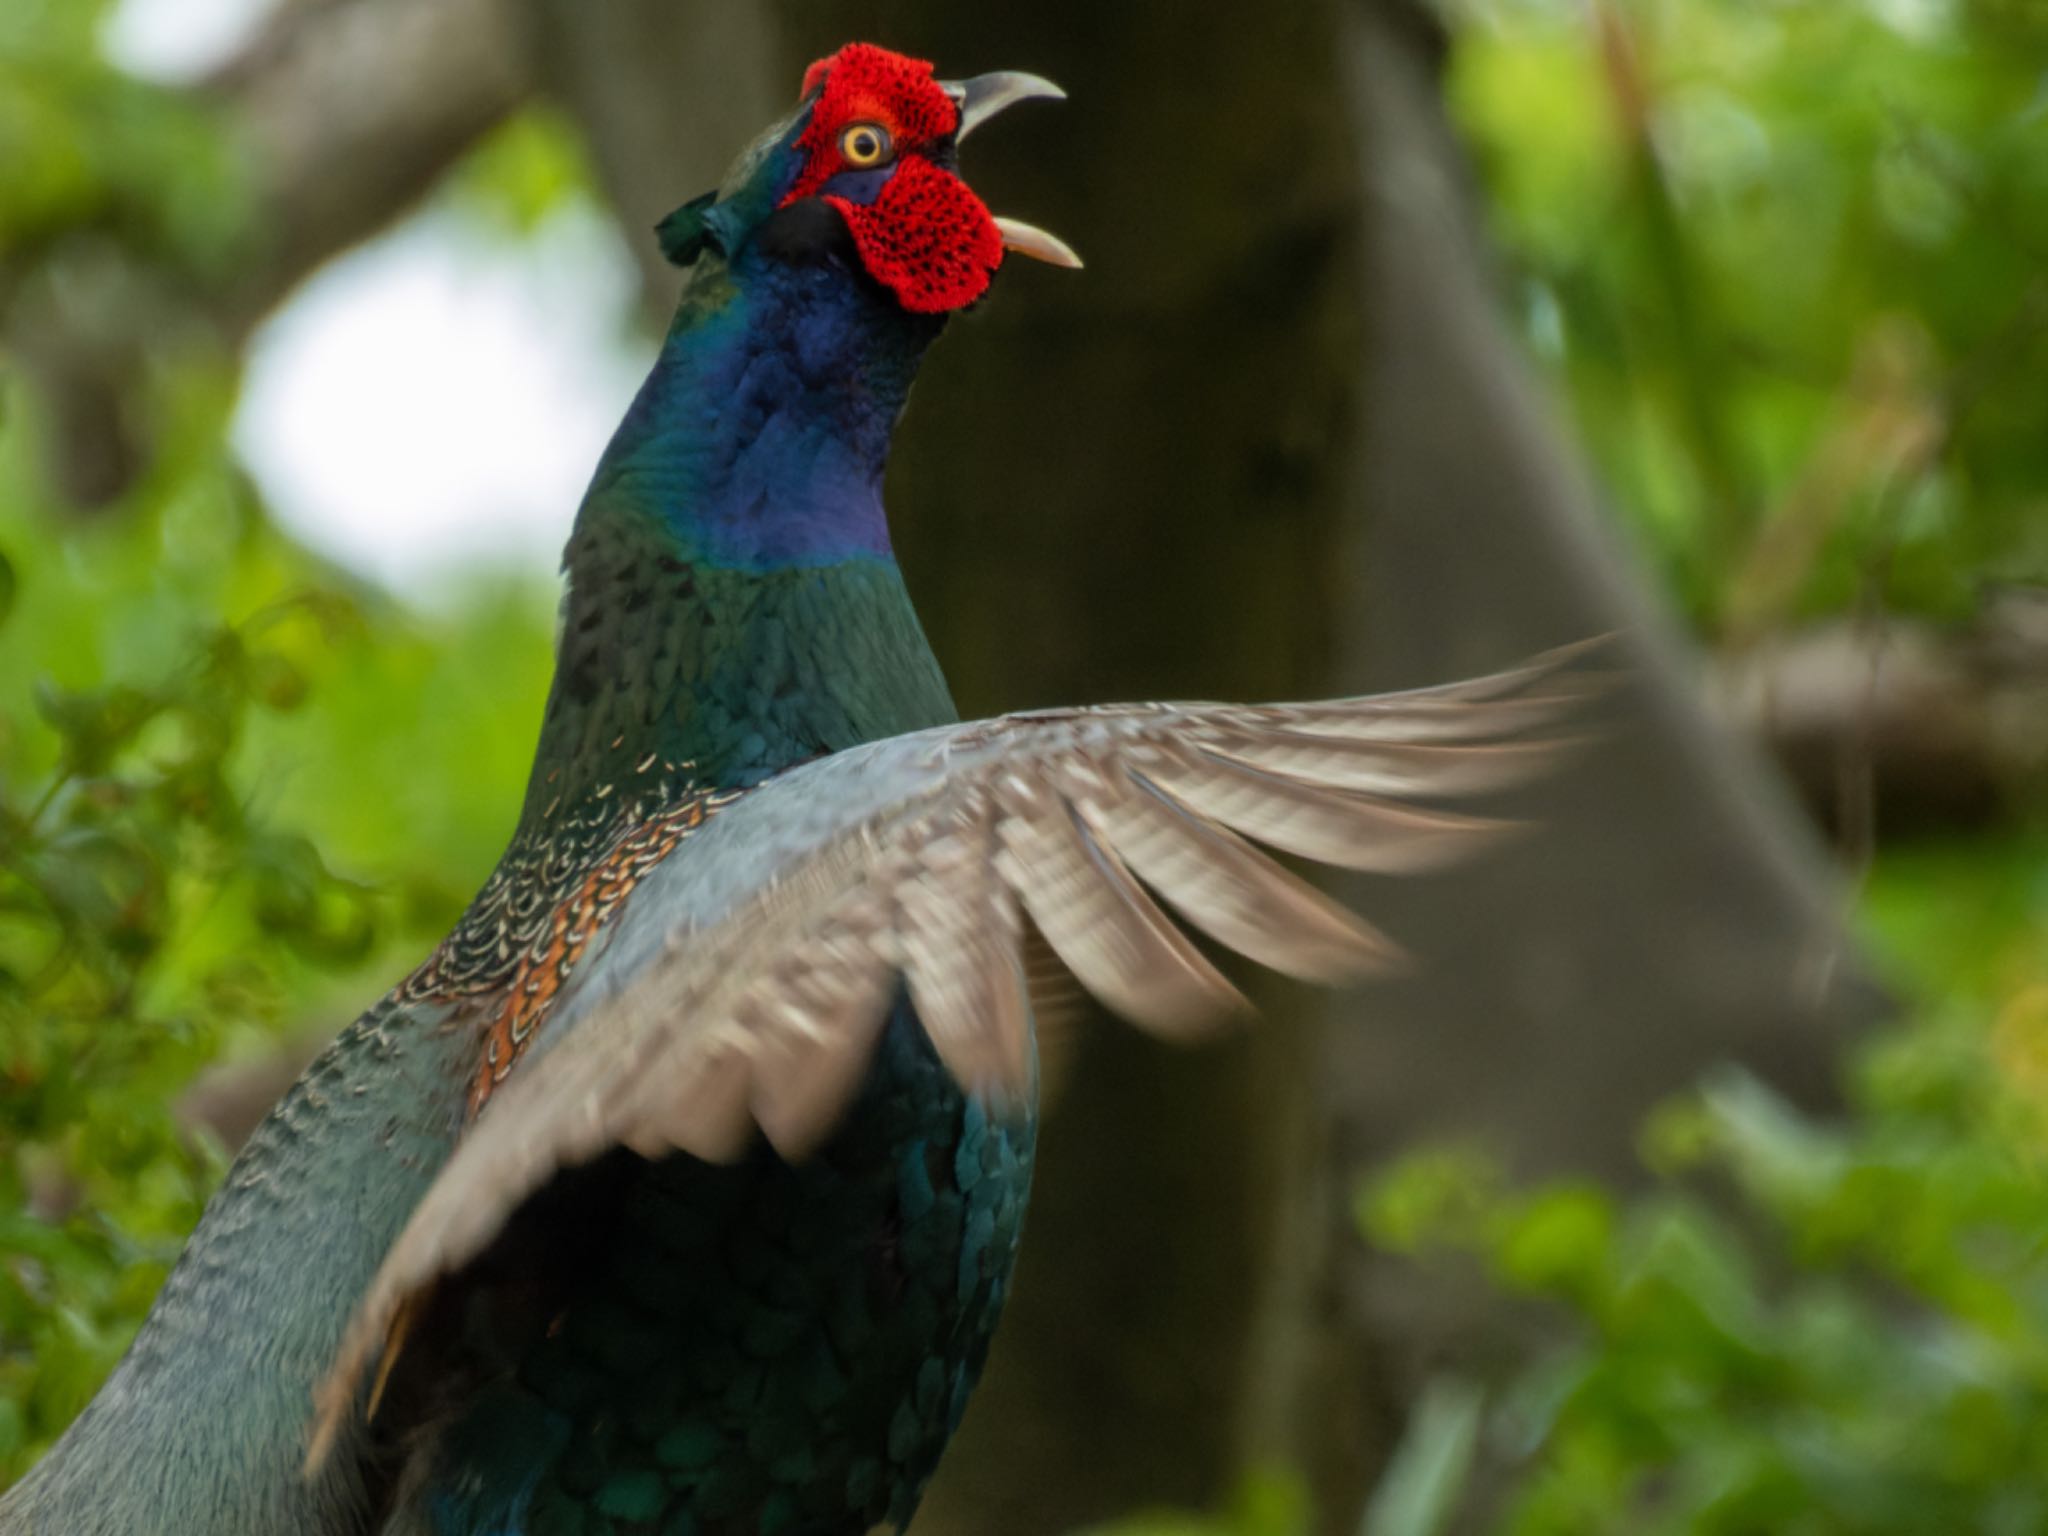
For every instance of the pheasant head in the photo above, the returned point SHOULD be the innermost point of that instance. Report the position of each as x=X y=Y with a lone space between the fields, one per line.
x=866 y=172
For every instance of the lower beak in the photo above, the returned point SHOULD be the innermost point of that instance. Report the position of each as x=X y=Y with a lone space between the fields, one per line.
x=1038 y=244
x=980 y=99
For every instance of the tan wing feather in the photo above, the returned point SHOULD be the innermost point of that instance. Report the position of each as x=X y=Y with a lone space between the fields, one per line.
x=1100 y=922
x=1335 y=826
x=1236 y=894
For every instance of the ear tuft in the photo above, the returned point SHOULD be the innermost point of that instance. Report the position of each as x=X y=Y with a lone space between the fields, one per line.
x=685 y=233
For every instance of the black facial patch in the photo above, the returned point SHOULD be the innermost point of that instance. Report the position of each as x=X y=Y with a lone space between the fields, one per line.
x=808 y=230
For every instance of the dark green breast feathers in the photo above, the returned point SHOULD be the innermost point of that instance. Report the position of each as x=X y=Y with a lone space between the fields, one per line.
x=678 y=1191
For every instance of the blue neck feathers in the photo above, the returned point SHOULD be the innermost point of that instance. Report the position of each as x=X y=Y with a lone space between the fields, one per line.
x=733 y=602
x=759 y=440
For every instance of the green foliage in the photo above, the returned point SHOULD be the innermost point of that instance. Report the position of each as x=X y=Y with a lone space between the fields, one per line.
x=1270 y=1504
x=526 y=170
x=1806 y=1327
x=1789 y=264
x=1419 y=1491
x=239 y=793
x=89 y=150
x=212 y=831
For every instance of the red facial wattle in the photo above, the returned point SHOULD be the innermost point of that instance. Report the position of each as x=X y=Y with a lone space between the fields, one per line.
x=925 y=236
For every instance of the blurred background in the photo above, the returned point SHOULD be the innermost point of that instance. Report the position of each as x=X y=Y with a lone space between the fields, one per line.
x=1694 y=1182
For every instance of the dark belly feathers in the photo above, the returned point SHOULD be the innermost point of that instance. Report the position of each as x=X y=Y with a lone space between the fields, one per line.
x=758 y=1349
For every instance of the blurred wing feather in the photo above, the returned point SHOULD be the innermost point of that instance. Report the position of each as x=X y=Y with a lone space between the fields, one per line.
x=746 y=983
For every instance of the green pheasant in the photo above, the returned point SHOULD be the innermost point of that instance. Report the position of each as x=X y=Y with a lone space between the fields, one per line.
x=678 y=1191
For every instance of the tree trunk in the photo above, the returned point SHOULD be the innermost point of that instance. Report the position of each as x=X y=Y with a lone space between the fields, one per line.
x=1673 y=910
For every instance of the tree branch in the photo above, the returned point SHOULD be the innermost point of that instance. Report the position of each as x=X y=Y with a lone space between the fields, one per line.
x=1899 y=727
x=346 y=112
x=351 y=111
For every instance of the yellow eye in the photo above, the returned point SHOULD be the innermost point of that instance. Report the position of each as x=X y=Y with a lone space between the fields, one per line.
x=864 y=144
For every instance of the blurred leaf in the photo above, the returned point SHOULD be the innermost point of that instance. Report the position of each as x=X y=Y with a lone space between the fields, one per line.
x=236 y=794
x=1267 y=1504
x=1803 y=1326
x=1418 y=1493
x=1720 y=206
x=1560 y=1241
x=525 y=170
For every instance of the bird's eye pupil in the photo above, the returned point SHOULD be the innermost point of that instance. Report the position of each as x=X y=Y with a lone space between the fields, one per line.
x=865 y=145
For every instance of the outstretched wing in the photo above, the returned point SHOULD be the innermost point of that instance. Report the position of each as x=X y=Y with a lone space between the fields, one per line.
x=747 y=982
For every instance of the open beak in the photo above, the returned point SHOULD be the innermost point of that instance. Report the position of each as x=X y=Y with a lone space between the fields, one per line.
x=980 y=99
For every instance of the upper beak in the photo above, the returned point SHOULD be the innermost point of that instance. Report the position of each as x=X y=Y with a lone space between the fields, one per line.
x=980 y=99
x=985 y=95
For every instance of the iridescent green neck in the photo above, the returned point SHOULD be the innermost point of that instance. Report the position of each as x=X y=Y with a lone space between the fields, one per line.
x=733 y=602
